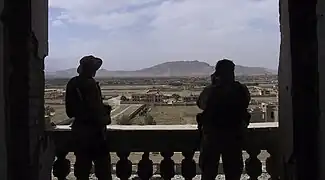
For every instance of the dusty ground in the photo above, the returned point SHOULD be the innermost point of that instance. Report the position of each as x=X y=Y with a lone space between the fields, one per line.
x=175 y=114
x=126 y=109
x=60 y=114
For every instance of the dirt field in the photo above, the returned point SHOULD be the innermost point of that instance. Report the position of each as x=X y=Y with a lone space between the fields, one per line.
x=127 y=109
x=60 y=114
x=174 y=114
x=266 y=99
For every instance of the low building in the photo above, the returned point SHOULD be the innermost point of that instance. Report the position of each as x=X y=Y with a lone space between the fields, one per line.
x=149 y=97
x=257 y=115
x=271 y=113
x=191 y=98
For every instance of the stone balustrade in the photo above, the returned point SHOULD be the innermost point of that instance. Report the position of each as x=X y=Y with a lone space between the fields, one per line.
x=168 y=140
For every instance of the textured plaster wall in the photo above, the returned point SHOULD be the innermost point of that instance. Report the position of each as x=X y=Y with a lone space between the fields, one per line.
x=321 y=71
x=40 y=144
x=3 y=153
x=26 y=30
x=285 y=84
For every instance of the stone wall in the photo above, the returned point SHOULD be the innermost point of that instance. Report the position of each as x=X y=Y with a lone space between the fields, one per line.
x=3 y=151
x=40 y=144
x=23 y=73
x=300 y=86
x=321 y=71
x=302 y=96
x=285 y=85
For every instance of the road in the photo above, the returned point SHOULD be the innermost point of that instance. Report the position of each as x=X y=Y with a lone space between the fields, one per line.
x=121 y=112
x=114 y=101
x=126 y=109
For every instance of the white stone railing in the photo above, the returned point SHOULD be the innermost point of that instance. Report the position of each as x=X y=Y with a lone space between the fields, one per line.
x=168 y=139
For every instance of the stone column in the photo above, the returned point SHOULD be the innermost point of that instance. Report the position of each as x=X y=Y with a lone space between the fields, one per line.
x=16 y=20
x=321 y=71
x=3 y=147
x=299 y=91
x=26 y=31
x=285 y=88
x=42 y=145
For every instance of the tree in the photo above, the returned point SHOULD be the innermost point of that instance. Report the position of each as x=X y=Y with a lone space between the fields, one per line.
x=124 y=120
x=123 y=98
x=148 y=120
x=49 y=111
x=176 y=96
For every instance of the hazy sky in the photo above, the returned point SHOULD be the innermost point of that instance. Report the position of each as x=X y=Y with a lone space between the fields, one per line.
x=133 y=34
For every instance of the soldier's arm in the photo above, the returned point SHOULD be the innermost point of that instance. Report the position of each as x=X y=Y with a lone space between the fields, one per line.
x=69 y=106
x=246 y=100
x=203 y=97
x=247 y=95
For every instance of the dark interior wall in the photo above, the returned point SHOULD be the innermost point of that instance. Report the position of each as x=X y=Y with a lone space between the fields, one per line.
x=41 y=146
x=302 y=57
x=26 y=31
x=17 y=22
x=3 y=150
x=305 y=83
x=321 y=72
x=285 y=85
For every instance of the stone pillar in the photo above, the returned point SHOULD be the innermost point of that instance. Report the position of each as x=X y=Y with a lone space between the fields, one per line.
x=305 y=91
x=285 y=88
x=3 y=144
x=25 y=48
x=42 y=146
x=17 y=22
x=299 y=92
x=321 y=68
x=299 y=89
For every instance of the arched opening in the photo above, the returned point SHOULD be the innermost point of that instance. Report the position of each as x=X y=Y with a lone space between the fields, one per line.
x=301 y=103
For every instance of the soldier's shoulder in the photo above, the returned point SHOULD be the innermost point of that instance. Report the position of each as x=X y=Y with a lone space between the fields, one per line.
x=208 y=88
x=87 y=81
x=91 y=82
x=72 y=81
x=239 y=84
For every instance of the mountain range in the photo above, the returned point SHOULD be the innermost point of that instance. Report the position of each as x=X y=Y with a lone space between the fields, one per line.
x=167 y=69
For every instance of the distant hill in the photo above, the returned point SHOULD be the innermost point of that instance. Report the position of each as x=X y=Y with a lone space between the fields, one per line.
x=175 y=68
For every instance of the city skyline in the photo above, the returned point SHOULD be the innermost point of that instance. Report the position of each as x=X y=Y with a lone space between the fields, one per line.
x=131 y=35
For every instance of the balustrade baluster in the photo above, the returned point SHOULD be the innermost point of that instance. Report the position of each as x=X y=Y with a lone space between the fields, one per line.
x=188 y=165
x=167 y=166
x=253 y=165
x=61 y=166
x=145 y=167
x=273 y=165
x=123 y=166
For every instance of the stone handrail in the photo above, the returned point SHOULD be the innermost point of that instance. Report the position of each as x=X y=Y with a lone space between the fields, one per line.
x=168 y=139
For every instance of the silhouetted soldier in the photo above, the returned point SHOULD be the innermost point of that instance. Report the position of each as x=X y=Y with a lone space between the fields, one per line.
x=223 y=122
x=84 y=103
